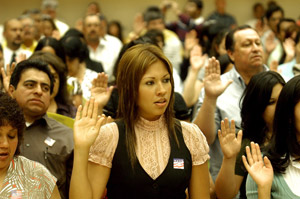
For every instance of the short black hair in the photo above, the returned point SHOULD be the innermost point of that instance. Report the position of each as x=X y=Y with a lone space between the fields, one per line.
x=153 y=13
x=55 y=44
x=74 y=47
x=30 y=64
x=11 y=114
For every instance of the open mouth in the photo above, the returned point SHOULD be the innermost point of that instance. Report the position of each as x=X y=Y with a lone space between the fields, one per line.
x=161 y=102
x=3 y=155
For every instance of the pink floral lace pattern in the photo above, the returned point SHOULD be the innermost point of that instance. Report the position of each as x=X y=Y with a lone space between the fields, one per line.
x=153 y=147
x=104 y=147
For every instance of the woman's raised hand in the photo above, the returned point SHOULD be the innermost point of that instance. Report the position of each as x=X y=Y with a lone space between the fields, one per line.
x=260 y=169
x=87 y=125
x=230 y=143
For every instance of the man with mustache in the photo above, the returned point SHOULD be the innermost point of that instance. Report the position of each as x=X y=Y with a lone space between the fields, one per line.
x=13 y=39
x=45 y=140
x=245 y=51
x=102 y=48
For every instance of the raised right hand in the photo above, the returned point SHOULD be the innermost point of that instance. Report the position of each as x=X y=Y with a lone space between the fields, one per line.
x=212 y=81
x=87 y=125
x=230 y=143
x=260 y=170
x=6 y=75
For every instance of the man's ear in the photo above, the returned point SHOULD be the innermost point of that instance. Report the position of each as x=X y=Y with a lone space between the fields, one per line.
x=11 y=90
x=230 y=55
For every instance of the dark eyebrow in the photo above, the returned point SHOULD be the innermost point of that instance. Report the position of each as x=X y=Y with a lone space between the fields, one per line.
x=30 y=81
x=35 y=82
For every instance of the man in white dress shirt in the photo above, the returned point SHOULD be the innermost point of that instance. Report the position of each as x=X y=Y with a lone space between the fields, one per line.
x=13 y=39
x=104 y=49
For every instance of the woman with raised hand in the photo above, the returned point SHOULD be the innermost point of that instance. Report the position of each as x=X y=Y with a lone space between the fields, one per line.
x=284 y=148
x=257 y=113
x=260 y=169
x=146 y=153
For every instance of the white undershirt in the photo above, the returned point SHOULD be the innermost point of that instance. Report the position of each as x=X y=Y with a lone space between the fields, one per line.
x=292 y=176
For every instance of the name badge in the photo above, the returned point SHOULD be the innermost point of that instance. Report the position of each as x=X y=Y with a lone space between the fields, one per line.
x=178 y=163
x=49 y=141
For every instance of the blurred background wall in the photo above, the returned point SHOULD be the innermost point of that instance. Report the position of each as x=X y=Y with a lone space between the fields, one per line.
x=70 y=11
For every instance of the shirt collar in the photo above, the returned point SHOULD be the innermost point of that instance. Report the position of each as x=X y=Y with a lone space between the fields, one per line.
x=43 y=120
x=238 y=78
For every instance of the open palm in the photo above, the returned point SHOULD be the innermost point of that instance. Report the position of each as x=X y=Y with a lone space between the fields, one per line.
x=100 y=91
x=87 y=125
x=212 y=81
x=260 y=169
x=230 y=143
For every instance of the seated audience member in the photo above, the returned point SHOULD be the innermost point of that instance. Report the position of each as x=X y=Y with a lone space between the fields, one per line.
x=269 y=39
x=218 y=50
x=28 y=33
x=258 y=11
x=45 y=140
x=90 y=64
x=115 y=29
x=93 y=8
x=20 y=177
x=11 y=46
x=49 y=28
x=76 y=52
x=51 y=45
x=154 y=19
x=49 y=8
x=102 y=48
x=60 y=101
x=257 y=113
x=277 y=175
x=284 y=51
x=36 y=15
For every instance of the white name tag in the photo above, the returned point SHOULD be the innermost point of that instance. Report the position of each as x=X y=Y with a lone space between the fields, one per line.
x=49 y=141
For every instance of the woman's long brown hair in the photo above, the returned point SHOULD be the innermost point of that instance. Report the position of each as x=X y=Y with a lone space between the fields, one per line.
x=133 y=65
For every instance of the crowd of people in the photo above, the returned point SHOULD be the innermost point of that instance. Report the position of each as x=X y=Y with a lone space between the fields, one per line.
x=195 y=108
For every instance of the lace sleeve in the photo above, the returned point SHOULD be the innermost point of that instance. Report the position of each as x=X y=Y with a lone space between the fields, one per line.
x=195 y=142
x=104 y=147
